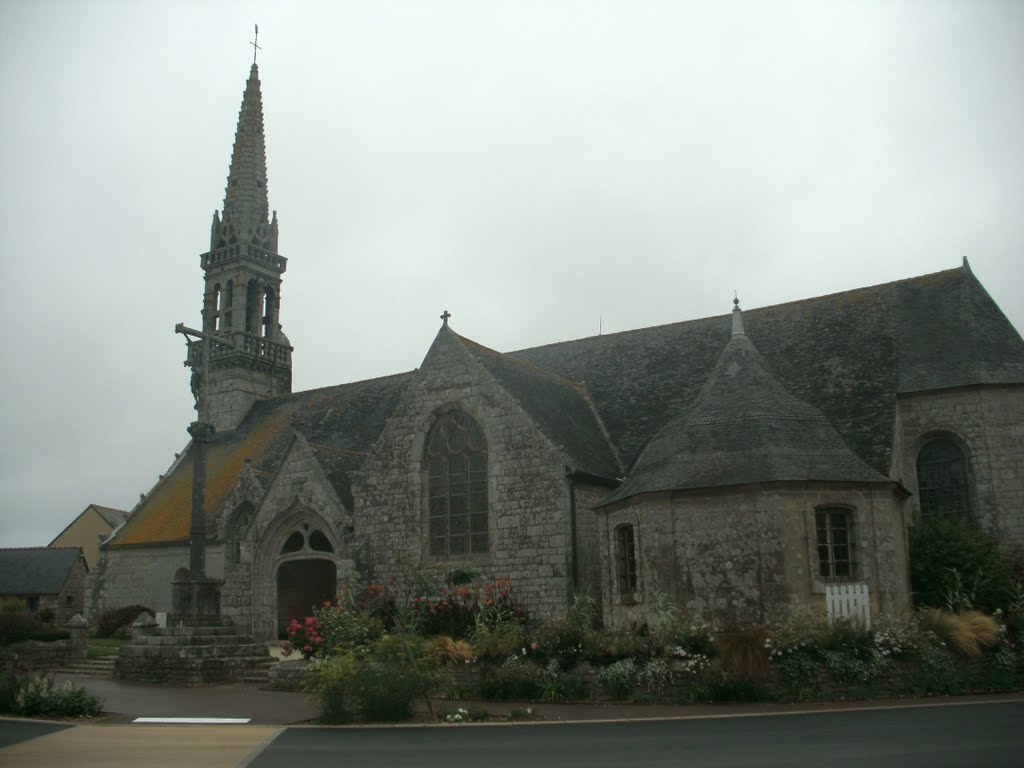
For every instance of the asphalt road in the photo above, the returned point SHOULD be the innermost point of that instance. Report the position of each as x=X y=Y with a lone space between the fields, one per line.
x=983 y=735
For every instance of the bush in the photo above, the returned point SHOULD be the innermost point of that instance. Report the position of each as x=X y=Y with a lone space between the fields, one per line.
x=619 y=678
x=379 y=683
x=11 y=682
x=13 y=605
x=957 y=566
x=119 y=620
x=39 y=698
x=17 y=627
x=498 y=642
x=514 y=680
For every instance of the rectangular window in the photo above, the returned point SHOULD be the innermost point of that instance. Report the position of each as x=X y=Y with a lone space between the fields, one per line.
x=836 y=560
x=625 y=555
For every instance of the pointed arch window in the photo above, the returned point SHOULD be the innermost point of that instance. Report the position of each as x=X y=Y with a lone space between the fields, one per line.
x=625 y=561
x=456 y=459
x=942 y=480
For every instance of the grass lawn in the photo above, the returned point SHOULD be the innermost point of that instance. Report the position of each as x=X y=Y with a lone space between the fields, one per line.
x=105 y=646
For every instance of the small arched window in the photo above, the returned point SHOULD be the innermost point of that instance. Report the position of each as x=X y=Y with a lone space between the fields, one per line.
x=942 y=480
x=456 y=459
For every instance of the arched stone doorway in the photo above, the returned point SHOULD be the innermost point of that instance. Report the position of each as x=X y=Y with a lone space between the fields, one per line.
x=301 y=585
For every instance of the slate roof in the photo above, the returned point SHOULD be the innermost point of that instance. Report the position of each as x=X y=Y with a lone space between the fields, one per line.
x=744 y=427
x=339 y=423
x=36 y=570
x=561 y=408
x=846 y=356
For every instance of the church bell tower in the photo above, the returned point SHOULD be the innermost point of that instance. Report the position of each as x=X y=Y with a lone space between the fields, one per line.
x=242 y=355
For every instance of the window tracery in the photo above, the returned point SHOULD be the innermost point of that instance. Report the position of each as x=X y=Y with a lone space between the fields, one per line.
x=456 y=459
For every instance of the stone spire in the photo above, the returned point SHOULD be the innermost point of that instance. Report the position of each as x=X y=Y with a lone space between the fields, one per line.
x=246 y=356
x=246 y=206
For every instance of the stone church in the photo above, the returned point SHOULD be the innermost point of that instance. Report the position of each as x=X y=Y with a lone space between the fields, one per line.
x=739 y=464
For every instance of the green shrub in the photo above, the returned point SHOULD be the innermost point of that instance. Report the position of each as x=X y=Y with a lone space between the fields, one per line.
x=11 y=682
x=619 y=678
x=955 y=565
x=119 y=620
x=499 y=641
x=514 y=680
x=379 y=683
x=39 y=698
x=800 y=674
x=13 y=605
x=17 y=627
x=560 y=685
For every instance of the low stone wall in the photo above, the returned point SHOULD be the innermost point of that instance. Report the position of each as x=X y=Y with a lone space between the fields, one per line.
x=36 y=655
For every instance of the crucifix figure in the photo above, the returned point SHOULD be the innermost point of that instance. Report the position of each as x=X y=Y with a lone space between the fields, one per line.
x=254 y=44
x=445 y=315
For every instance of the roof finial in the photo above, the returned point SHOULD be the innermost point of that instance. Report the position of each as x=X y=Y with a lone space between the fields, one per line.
x=445 y=315
x=255 y=46
x=737 y=316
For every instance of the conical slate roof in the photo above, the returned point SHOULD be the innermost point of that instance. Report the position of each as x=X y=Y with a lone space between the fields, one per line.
x=744 y=427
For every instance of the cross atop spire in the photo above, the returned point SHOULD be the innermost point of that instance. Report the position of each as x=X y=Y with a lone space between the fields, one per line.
x=445 y=315
x=255 y=44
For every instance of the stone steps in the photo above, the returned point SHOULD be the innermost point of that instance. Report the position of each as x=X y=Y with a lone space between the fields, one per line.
x=192 y=655
x=100 y=666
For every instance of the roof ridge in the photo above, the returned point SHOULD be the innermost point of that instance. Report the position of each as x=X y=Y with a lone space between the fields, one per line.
x=577 y=385
x=706 y=318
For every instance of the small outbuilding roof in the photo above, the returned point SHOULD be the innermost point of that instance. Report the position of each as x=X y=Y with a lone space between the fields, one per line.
x=36 y=570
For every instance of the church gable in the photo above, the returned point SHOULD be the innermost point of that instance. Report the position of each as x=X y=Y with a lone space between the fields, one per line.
x=512 y=518
x=300 y=481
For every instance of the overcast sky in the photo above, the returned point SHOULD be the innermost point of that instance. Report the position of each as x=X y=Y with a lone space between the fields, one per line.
x=540 y=169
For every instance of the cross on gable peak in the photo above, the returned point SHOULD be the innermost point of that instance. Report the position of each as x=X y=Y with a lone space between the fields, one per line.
x=445 y=315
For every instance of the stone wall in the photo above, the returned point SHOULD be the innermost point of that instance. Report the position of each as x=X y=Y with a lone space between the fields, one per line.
x=988 y=423
x=142 y=576
x=71 y=599
x=528 y=491
x=743 y=557
x=588 y=540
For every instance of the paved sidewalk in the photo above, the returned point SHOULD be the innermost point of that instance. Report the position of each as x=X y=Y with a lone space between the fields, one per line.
x=124 y=701
x=114 y=740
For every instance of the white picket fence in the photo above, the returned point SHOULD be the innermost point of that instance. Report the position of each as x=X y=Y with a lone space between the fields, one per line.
x=849 y=601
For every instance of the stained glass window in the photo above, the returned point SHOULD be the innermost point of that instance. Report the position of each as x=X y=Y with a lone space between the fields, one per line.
x=457 y=480
x=942 y=480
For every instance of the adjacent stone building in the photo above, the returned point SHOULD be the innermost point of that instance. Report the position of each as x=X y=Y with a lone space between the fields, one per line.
x=50 y=581
x=739 y=463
